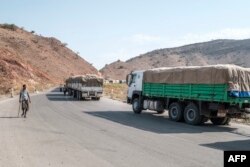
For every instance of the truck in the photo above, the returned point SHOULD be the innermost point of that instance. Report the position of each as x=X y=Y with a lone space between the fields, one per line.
x=194 y=94
x=85 y=86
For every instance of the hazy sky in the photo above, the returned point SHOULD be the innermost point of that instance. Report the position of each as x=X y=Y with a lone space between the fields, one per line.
x=107 y=30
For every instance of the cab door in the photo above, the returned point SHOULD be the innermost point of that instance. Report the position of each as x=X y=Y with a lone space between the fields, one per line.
x=132 y=85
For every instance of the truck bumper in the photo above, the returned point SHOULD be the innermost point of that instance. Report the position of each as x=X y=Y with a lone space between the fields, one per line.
x=91 y=94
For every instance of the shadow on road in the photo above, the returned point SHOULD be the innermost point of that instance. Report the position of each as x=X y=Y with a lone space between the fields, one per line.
x=156 y=123
x=56 y=95
x=230 y=145
x=10 y=117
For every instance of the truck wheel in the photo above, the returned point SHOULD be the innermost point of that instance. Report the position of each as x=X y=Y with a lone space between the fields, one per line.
x=79 y=95
x=175 y=112
x=97 y=98
x=136 y=106
x=74 y=94
x=227 y=121
x=192 y=115
x=220 y=121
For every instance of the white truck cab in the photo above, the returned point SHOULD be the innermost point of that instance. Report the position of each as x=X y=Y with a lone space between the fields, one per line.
x=135 y=95
x=134 y=81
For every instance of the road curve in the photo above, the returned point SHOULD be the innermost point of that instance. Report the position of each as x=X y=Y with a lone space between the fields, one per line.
x=60 y=131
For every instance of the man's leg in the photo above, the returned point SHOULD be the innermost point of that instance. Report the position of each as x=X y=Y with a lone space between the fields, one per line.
x=26 y=108
x=25 y=113
x=22 y=108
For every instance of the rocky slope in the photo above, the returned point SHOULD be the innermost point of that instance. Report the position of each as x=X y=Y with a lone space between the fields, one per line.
x=213 y=52
x=38 y=61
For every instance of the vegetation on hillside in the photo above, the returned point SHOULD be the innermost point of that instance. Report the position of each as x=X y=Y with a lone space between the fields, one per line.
x=12 y=27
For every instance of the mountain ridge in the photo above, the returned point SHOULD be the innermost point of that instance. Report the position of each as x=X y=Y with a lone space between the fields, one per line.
x=220 y=51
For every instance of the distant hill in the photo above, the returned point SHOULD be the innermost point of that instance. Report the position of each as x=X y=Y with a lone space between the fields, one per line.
x=213 y=52
x=38 y=61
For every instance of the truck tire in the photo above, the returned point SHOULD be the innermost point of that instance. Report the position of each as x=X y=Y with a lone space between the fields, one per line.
x=79 y=96
x=96 y=98
x=136 y=106
x=74 y=94
x=192 y=115
x=220 y=121
x=227 y=121
x=175 y=112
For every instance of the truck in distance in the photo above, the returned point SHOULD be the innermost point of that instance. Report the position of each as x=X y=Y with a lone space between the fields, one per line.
x=85 y=86
x=192 y=94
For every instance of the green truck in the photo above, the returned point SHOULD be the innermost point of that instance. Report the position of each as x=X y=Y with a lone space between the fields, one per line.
x=193 y=94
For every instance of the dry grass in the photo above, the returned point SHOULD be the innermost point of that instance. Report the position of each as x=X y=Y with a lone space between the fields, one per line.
x=116 y=91
x=245 y=120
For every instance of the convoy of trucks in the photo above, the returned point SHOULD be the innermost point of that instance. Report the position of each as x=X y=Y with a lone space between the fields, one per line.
x=192 y=94
x=85 y=86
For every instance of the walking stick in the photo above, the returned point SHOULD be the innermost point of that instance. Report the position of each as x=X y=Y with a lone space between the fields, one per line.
x=19 y=108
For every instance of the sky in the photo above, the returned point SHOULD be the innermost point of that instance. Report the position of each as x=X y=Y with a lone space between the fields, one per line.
x=103 y=31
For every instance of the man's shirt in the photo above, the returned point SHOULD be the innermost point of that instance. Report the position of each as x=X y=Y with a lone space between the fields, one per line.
x=24 y=95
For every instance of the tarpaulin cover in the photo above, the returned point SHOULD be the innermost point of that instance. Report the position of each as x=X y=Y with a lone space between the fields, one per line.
x=238 y=78
x=86 y=80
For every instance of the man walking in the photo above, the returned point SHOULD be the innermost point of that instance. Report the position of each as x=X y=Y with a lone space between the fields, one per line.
x=24 y=99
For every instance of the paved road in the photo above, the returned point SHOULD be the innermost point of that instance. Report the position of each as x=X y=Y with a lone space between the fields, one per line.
x=62 y=132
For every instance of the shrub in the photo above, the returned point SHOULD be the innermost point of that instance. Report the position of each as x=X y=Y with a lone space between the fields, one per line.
x=11 y=27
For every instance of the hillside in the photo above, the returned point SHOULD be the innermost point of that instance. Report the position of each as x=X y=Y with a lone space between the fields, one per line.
x=213 y=52
x=38 y=61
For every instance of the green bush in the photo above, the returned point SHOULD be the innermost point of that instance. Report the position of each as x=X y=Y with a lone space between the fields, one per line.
x=12 y=27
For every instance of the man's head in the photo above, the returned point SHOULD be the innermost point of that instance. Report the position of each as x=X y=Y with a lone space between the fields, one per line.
x=24 y=87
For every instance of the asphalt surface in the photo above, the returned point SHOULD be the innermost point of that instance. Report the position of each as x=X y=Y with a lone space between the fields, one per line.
x=60 y=131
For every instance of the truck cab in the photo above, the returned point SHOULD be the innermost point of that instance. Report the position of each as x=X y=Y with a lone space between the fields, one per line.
x=134 y=81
